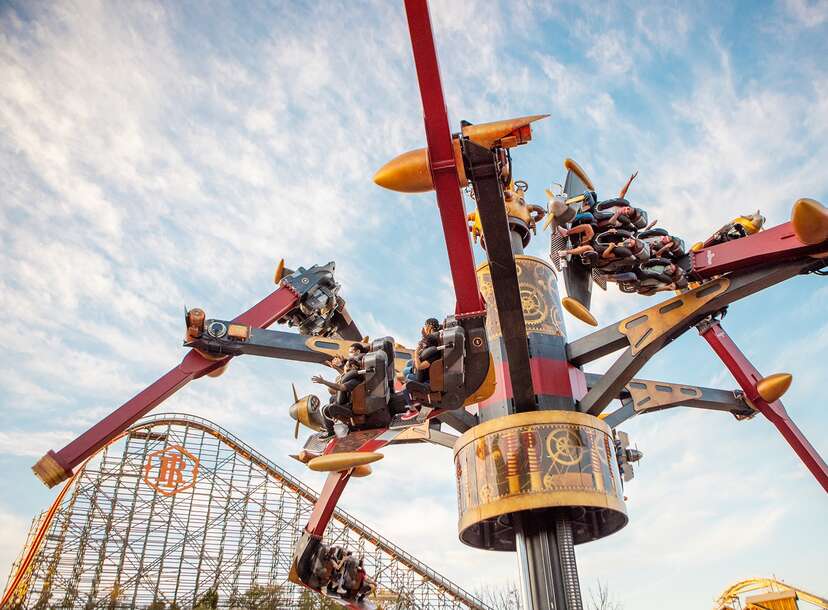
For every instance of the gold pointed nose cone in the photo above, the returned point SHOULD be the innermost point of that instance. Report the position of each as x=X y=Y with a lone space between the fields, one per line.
x=772 y=387
x=406 y=173
x=518 y=130
x=810 y=221
x=577 y=309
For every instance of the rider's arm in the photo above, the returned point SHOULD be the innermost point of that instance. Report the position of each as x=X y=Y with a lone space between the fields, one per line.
x=608 y=252
x=614 y=218
x=332 y=385
x=664 y=248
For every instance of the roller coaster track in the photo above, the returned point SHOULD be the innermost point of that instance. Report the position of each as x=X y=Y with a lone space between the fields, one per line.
x=732 y=593
x=19 y=580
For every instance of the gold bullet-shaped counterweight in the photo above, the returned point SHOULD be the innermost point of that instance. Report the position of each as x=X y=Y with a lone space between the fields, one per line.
x=337 y=462
x=810 y=221
x=407 y=173
x=410 y=172
x=577 y=309
x=772 y=387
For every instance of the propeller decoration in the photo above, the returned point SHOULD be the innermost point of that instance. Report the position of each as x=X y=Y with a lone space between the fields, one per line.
x=295 y=400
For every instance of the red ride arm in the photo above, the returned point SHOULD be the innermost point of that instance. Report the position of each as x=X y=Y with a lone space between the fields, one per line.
x=442 y=161
x=55 y=467
x=747 y=376
x=326 y=504
x=775 y=245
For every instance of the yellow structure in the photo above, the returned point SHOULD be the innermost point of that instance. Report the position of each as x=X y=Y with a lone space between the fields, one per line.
x=558 y=460
x=770 y=595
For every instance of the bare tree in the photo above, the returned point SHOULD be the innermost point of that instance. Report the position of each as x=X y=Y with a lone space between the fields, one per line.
x=506 y=597
x=600 y=598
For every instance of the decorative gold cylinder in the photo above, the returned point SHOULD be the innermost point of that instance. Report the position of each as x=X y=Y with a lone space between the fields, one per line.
x=561 y=460
x=538 y=286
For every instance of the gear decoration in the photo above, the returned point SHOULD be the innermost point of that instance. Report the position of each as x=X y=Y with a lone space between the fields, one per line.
x=569 y=460
x=564 y=447
x=538 y=294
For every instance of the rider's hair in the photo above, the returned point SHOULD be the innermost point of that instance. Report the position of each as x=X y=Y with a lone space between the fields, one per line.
x=433 y=322
x=361 y=348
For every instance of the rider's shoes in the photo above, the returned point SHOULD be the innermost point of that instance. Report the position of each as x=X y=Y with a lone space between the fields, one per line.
x=417 y=386
x=324 y=435
x=410 y=414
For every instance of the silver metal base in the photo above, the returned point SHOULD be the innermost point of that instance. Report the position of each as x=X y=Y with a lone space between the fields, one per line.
x=546 y=557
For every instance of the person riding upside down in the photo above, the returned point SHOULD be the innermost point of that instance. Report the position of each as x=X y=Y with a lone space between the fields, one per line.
x=658 y=275
x=629 y=217
x=662 y=244
x=629 y=249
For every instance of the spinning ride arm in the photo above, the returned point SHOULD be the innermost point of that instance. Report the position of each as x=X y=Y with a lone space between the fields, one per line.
x=785 y=242
x=441 y=157
x=645 y=333
x=641 y=396
x=740 y=268
x=293 y=301
x=749 y=379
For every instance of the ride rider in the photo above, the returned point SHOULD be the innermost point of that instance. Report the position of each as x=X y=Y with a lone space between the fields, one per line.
x=416 y=374
x=339 y=406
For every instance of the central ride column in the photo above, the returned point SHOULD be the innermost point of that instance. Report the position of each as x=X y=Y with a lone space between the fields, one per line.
x=543 y=479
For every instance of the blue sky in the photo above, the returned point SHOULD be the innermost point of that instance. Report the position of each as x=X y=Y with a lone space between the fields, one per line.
x=157 y=155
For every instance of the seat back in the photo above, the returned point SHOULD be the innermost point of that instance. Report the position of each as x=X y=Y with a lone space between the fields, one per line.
x=377 y=391
x=453 y=372
x=386 y=344
x=358 y=402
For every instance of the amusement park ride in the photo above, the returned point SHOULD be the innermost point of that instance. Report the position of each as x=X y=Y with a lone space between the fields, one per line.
x=539 y=465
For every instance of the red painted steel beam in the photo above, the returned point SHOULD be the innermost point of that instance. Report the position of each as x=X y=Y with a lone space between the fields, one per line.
x=326 y=504
x=747 y=377
x=193 y=366
x=777 y=244
x=442 y=160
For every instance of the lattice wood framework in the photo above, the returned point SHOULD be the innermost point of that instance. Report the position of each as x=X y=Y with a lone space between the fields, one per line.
x=135 y=529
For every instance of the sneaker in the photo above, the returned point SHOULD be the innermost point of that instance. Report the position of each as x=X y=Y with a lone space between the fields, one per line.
x=341 y=591
x=324 y=435
x=410 y=414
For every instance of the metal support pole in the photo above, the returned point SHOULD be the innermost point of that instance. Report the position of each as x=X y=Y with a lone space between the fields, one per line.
x=748 y=377
x=546 y=556
x=538 y=379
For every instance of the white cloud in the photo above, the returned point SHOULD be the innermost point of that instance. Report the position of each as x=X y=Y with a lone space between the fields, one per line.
x=13 y=531
x=810 y=13
x=148 y=161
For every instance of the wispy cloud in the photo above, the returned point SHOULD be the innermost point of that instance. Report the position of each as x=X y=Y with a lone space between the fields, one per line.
x=156 y=155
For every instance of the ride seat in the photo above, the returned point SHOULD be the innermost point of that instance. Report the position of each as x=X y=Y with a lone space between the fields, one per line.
x=657 y=232
x=454 y=352
x=375 y=389
x=386 y=345
x=616 y=202
x=447 y=371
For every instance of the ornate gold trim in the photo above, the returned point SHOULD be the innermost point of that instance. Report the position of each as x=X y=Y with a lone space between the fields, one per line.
x=533 y=418
x=513 y=504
